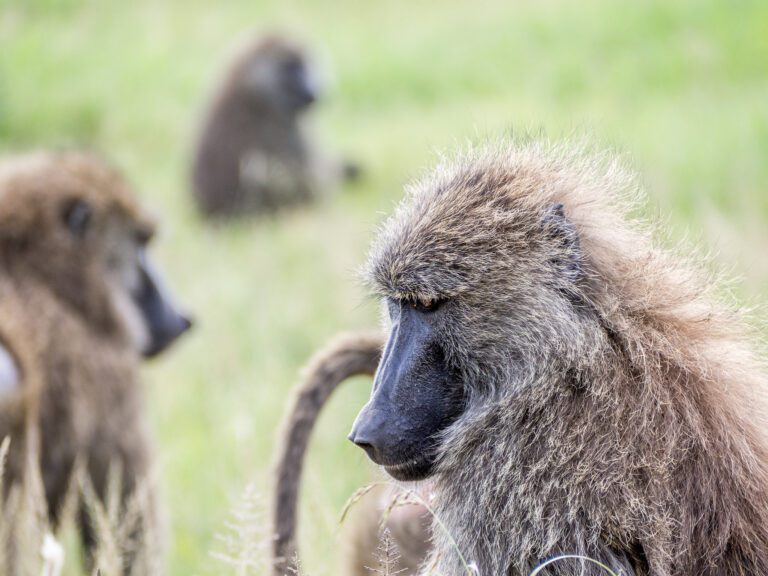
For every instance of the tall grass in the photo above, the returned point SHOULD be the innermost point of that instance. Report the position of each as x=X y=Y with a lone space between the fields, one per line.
x=123 y=536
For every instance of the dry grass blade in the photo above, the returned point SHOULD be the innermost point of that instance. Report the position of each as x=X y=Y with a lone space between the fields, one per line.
x=4 y=447
x=24 y=525
x=402 y=498
x=244 y=541
x=295 y=567
x=358 y=495
x=106 y=556
x=127 y=542
x=387 y=556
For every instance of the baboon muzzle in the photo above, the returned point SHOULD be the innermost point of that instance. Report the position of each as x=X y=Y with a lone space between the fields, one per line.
x=164 y=321
x=411 y=400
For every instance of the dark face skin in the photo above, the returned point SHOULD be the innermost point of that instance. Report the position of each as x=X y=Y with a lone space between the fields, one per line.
x=283 y=79
x=415 y=394
x=296 y=83
x=163 y=320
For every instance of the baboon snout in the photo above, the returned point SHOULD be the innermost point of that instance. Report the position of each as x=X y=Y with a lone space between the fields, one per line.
x=165 y=323
x=369 y=433
x=165 y=331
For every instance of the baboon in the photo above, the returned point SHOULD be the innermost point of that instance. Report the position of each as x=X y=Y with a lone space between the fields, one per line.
x=569 y=386
x=253 y=153
x=348 y=355
x=82 y=304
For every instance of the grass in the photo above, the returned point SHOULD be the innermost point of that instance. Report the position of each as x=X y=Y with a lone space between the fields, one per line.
x=681 y=87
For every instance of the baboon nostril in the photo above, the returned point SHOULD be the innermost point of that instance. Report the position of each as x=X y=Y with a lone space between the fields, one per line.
x=364 y=444
x=369 y=449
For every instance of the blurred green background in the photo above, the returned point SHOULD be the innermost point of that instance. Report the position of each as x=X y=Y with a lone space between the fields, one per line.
x=680 y=87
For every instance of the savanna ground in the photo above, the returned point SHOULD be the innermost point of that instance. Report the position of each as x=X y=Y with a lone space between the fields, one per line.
x=680 y=87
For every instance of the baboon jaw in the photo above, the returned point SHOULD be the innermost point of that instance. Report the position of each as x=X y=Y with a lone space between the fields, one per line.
x=411 y=470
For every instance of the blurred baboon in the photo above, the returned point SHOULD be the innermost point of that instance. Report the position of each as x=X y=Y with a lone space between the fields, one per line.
x=568 y=386
x=83 y=304
x=253 y=153
x=347 y=356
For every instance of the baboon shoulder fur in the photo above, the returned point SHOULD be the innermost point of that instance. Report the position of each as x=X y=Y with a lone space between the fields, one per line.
x=616 y=406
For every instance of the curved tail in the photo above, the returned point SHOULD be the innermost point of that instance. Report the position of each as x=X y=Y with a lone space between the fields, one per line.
x=346 y=356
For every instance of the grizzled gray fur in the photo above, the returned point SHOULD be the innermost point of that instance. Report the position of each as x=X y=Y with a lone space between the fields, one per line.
x=614 y=407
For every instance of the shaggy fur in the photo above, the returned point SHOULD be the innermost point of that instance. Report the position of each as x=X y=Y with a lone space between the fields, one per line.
x=615 y=407
x=347 y=356
x=253 y=154
x=79 y=394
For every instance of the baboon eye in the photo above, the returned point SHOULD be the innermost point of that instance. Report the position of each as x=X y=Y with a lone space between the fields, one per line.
x=77 y=216
x=426 y=304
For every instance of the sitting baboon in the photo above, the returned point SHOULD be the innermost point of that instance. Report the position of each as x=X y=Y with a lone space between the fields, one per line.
x=569 y=387
x=408 y=525
x=82 y=304
x=253 y=153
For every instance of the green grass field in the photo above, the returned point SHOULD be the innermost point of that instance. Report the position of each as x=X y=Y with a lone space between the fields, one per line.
x=680 y=87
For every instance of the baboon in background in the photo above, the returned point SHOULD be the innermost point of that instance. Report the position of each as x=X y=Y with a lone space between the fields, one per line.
x=76 y=283
x=252 y=154
x=568 y=386
x=347 y=356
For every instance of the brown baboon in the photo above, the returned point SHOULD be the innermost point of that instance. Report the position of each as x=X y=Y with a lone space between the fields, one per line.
x=81 y=304
x=569 y=386
x=347 y=356
x=252 y=154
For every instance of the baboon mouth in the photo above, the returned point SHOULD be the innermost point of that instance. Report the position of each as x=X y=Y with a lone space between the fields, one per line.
x=411 y=470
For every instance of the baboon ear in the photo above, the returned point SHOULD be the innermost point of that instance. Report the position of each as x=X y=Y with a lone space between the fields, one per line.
x=564 y=234
x=10 y=377
x=77 y=216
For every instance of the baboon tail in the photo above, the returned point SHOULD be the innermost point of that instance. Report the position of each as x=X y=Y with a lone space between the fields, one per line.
x=346 y=356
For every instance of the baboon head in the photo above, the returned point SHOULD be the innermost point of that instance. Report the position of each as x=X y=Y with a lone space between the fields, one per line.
x=70 y=222
x=275 y=72
x=481 y=274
